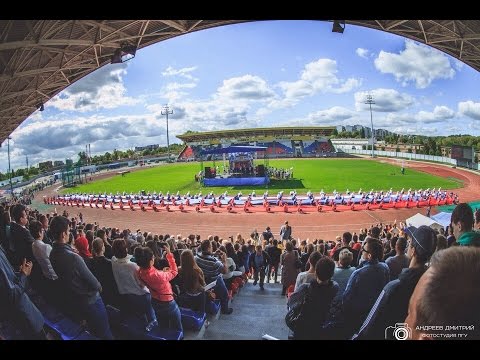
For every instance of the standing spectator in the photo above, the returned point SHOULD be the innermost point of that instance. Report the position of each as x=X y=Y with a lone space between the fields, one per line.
x=259 y=262
x=77 y=283
x=267 y=234
x=274 y=252
x=364 y=286
x=22 y=239
x=306 y=276
x=399 y=261
x=319 y=295
x=462 y=224
x=158 y=282
x=455 y=302
x=285 y=232
x=392 y=303
x=290 y=267
x=135 y=296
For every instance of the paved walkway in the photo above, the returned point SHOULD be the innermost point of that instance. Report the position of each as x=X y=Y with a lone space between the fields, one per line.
x=255 y=313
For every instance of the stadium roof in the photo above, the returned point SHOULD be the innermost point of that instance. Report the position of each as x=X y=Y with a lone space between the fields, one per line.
x=40 y=58
x=256 y=133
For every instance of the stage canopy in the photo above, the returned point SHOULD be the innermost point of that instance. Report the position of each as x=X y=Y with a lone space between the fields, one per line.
x=234 y=149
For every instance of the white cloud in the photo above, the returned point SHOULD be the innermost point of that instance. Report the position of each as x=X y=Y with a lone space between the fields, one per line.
x=440 y=113
x=317 y=76
x=417 y=63
x=102 y=89
x=470 y=109
x=330 y=116
x=246 y=87
x=363 y=53
x=183 y=72
x=386 y=100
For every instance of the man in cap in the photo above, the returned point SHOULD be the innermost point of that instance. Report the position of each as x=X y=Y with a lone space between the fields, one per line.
x=392 y=304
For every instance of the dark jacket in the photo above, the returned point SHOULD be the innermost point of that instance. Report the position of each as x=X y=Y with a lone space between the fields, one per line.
x=76 y=280
x=274 y=252
x=22 y=241
x=101 y=268
x=316 y=308
x=391 y=306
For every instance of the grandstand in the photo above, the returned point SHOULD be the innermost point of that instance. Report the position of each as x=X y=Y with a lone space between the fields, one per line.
x=311 y=141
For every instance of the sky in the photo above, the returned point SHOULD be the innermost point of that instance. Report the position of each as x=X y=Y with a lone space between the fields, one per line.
x=259 y=74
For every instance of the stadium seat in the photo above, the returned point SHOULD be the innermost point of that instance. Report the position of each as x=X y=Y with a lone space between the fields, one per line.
x=212 y=307
x=134 y=329
x=66 y=328
x=86 y=336
x=192 y=320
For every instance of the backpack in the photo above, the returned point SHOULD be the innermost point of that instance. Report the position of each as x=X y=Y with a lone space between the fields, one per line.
x=296 y=313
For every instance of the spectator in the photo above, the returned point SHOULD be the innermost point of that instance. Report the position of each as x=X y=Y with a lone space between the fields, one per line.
x=22 y=239
x=274 y=252
x=267 y=234
x=158 y=282
x=191 y=282
x=399 y=261
x=102 y=234
x=307 y=276
x=78 y=285
x=285 y=232
x=392 y=303
x=212 y=269
x=346 y=238
x=259 y=262
x=319 y=295
x=83 y=246
x=135 y=296
x=441 y=242
x=290 y=267
x=343 y=271
x=364 y=286
x=462 y=223
x=441 y=299
x=451 y=238
x=101 y=267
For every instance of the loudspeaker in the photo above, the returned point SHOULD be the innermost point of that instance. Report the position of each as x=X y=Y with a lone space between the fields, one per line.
x=208 y=172
x=260 y=170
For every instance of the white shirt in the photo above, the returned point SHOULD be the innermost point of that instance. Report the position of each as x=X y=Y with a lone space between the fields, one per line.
x=126 y=277
x=41 y=251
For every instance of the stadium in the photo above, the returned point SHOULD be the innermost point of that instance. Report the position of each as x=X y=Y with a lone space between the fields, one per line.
x=268 y=232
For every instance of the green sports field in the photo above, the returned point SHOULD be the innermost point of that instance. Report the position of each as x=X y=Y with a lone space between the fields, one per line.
x=309 y=175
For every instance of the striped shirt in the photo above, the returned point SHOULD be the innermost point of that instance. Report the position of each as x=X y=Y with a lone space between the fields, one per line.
x=211 y=266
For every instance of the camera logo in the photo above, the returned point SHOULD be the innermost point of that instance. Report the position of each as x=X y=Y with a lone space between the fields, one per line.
x=401 y=331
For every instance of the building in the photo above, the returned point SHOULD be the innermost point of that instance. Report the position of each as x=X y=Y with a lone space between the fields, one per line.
x=147 y=147
x=350 y=144
x=69 y=162
x=58 y=163
x=309 y=141
x=45 y=166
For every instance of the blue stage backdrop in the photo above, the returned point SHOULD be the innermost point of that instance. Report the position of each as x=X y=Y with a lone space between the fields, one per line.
x=244 y=181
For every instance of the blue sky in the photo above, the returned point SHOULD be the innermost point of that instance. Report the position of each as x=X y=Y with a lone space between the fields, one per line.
x=269 y=73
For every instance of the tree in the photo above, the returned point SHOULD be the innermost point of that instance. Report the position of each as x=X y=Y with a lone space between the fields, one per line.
x=362 y=133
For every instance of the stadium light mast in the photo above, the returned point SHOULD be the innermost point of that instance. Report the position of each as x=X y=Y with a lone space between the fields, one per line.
x=166 y=111
x=369 y=101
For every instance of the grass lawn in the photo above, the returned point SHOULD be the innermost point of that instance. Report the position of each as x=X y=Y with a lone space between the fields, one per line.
x=309 y=174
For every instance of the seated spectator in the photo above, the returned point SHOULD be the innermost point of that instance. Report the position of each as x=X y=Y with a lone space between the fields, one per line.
x=135 y=296
x=319 y=295
x=80 y=288
x=400 y=261
x=22 y=239
x=102 y=234
x=15 y=305
x=231 y=272
x=392 y=242
x=158 y=282
x=462 y=224
x=212 y=269
x=307 y=276
x=447 y=294
x=346 y=238
x=191 y=282
x=392 y=303
x=305 y=255
x=101 y=267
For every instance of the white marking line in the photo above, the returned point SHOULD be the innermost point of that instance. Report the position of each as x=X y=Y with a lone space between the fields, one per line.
x=373 y=217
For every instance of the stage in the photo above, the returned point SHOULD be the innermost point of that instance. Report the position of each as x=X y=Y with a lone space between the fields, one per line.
x=236 y=181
